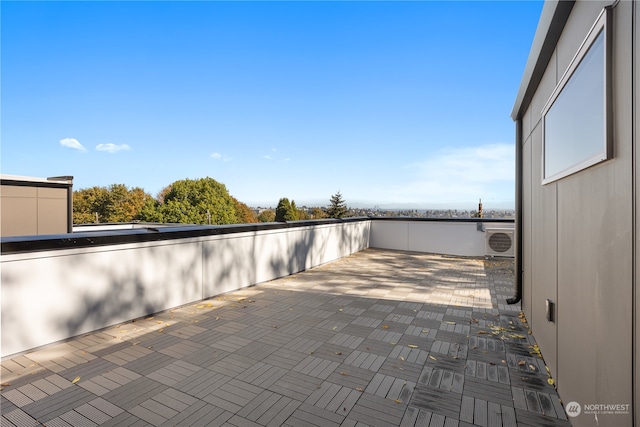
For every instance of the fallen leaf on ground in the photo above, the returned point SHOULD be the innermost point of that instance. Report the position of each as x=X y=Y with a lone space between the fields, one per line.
x=398 y=401
x=385 y=326
x=432 y=358
x=551 y=381
x=412 y=346
x=75 y=380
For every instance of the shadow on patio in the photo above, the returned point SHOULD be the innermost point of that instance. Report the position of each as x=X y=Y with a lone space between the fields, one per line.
x=377 y=338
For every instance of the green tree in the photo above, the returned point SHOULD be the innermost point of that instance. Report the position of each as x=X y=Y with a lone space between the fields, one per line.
x=115 y=203
x=244 y=214
x=286 y=210
x=303 y=214
x=318 y=213
x=190 y=201
x=337 y=206
x=267 y=215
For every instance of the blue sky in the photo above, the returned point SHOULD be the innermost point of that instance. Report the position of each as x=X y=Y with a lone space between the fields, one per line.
x=390 y=103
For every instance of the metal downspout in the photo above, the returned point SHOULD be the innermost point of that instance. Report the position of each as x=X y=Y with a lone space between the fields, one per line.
x=517 y=297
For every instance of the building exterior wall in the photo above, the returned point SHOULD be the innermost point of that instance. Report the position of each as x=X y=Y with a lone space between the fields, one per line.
x=32 y=206
x=578 y=238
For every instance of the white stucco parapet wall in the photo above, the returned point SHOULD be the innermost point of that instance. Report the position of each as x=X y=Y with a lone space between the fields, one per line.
x=52 y=295
x=49 y=296
x=452 y=237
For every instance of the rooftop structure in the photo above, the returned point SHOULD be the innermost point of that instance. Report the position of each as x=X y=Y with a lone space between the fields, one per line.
x=577 y=120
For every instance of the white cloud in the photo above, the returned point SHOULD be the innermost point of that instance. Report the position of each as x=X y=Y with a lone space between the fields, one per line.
x=463 y=174
x=112 y=148
x=72 y=143
x=268 y=157
x=222 y=157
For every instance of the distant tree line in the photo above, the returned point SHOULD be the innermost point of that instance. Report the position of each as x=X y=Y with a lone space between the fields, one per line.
x=199 y=201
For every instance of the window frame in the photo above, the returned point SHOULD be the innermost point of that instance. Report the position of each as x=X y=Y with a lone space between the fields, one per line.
x=603 y=25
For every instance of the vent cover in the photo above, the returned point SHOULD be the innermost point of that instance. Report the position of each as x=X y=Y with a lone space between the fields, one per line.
x=499 y=242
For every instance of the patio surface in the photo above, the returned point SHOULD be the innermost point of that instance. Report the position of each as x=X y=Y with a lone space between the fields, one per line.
x=378 y=338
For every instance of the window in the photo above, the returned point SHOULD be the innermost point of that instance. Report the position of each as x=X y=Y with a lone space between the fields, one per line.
x=576 y=119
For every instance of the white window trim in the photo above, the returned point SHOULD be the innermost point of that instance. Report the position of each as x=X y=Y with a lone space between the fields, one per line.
x=602 y=25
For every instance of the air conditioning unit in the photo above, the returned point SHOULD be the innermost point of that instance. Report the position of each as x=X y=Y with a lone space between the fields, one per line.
x=499 y=242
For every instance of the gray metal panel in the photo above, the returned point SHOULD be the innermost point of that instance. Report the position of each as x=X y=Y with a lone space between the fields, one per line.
x=552 y=20
x=591 y=254
x=544 y=255
x=580 y=22
x=636 y=243
x=594 y=252
x=527 y=229
x=539 y=99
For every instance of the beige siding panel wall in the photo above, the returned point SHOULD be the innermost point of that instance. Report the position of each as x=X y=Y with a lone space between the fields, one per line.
x=19 y=210
x=33 y=210
x=52 y=210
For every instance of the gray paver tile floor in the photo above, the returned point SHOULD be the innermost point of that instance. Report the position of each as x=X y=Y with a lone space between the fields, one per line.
x=379 y=338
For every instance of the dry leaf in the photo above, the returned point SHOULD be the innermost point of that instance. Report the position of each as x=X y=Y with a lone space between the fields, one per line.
x=344 y=374
x=432 y=358
x=482 y=332
x=5 y=384
x=75 y=380
x=402 y=358
x=412 y=346
x=398 y=401
x=385 y=326
x=551 y=381
x=522 y=363
x=359 y=389
x=451 y=323
x=149 y=318
x=339 y=353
